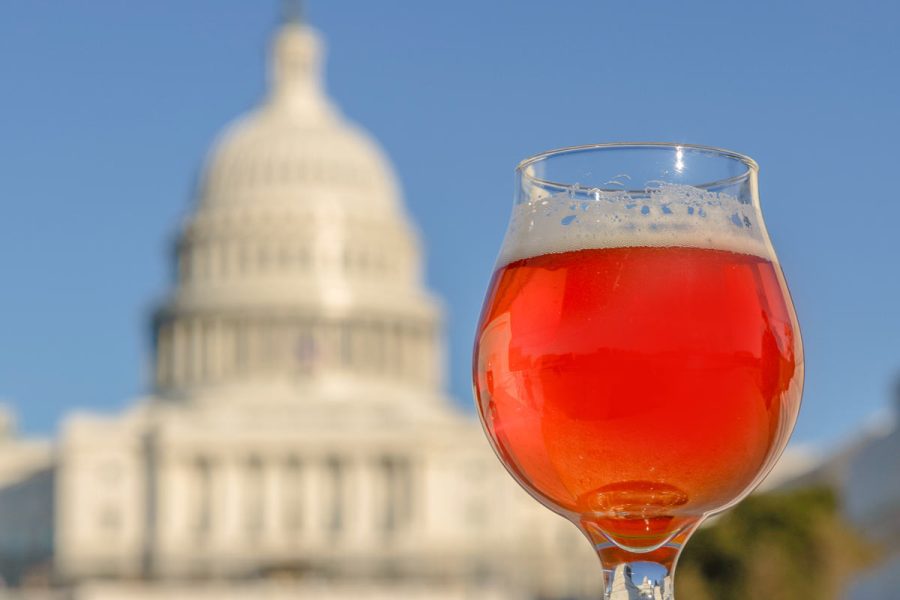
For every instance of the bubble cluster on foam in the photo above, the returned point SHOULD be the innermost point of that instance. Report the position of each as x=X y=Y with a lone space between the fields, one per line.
x=666 y=215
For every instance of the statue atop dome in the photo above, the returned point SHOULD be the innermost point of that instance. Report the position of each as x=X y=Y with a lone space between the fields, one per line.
x=296 y=65
x=292 y=11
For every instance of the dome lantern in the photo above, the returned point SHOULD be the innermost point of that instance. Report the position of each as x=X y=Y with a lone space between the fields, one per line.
x=295 y=70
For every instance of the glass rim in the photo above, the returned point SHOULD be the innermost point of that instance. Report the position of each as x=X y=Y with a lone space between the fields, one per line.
x=522 y=167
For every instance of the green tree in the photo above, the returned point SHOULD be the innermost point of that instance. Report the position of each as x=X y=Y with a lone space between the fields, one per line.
x=777 y=546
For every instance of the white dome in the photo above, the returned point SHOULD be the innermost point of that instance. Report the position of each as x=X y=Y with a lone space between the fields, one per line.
x=299 y=265
x=297 y=143
x=297 y=206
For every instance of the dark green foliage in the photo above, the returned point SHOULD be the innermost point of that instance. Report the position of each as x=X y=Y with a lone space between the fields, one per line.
x=778 y=546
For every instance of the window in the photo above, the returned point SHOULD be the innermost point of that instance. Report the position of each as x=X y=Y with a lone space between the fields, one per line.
x=334 y=473
x=267 y=332
x=379 y=348
x=253 y=488
x=190 y=350
x=244 y=258
x=206 y=343
x=306 y=351
x=224 y=254
x=203 y=514
x=293 y=495
x=398 y=501
x=241 y=347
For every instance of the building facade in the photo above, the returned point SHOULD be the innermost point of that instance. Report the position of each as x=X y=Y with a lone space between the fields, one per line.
x=298 y=441
x=871 y=494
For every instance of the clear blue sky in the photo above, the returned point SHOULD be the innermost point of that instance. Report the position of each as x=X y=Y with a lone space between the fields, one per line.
x=107 y=108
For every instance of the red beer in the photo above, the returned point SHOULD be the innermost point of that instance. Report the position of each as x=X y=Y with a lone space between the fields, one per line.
x=637 y=388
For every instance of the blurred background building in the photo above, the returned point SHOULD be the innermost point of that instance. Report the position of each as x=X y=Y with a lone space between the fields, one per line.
x=870 y=488
x=298 y=441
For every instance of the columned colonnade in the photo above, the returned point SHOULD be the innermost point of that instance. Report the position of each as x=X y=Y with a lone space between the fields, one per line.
x=208 y=500
x=203 y=349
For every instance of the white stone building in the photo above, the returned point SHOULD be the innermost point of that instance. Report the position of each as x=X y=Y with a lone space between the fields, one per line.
x=298 y=441
x=871 y=493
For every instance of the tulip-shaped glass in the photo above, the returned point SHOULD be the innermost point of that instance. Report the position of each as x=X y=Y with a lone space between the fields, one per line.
x=638 y=364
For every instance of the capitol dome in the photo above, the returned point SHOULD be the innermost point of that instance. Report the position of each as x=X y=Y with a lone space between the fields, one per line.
x=298 y=261
x=297 y=142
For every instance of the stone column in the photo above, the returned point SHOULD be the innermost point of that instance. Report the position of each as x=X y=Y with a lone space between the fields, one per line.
x=174 y=497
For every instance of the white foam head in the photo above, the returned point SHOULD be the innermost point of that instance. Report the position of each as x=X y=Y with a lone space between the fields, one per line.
x=667 y=215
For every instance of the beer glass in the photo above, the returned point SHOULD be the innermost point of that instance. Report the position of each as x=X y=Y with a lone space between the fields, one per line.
x=638 y=364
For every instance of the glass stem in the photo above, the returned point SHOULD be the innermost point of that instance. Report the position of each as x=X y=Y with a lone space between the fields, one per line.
x=630 y=574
